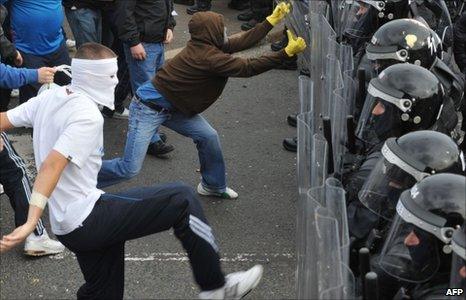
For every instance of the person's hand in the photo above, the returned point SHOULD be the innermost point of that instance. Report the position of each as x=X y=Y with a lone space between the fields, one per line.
x=169 y=36
x=46 y=75
x=16 y=237
x=138 y=52
x=18 y=59
x=295 y=44
x=279 y=13
x=1 y=144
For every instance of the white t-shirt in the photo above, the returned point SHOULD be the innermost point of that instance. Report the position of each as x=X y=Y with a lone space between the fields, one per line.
x=73 y=126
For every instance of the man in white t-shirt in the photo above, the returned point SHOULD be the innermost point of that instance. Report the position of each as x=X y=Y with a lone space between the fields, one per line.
x=68 y=148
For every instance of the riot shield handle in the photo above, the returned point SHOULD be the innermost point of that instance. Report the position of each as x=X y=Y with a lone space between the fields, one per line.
x=351 y=136
x=327 y=125
x=371 y=286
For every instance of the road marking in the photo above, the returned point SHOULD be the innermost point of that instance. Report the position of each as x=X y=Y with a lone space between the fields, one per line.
x=181 y=257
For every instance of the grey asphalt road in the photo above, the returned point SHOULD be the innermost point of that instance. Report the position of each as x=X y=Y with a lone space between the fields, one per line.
x=258 y=227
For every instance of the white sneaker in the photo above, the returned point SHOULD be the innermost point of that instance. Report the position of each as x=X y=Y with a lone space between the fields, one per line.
x=42 y=245
x=1 y=189
x=123 y=115
x=14 y=93
x=70 y=43
x=228 y=194
x=237 y=285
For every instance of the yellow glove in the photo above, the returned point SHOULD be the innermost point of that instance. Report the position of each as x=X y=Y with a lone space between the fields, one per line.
x=295 y=44
x=279 y=13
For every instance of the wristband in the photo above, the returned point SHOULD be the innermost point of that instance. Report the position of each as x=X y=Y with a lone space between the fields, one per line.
x=39 y=200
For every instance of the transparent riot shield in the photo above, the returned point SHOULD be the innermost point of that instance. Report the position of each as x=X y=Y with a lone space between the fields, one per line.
x=312 y=166
x=327 y=245
x=321 y=36
x=306 y=98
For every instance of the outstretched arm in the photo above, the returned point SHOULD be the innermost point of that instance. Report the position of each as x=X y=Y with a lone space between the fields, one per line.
x=5 y=124
x=252 y=37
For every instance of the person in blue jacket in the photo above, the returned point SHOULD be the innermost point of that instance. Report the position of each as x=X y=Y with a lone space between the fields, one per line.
x=16 y=77
x=13 y=175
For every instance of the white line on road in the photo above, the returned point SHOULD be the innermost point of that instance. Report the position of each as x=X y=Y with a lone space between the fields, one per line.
x=181 y=257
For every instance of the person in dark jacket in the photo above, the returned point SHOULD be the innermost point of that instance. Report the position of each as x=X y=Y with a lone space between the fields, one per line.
x=189 y=84
x=145 y=26
x=459 y=47
x=85 y=20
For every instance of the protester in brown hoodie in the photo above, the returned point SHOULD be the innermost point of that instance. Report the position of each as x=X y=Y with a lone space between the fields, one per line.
x=195 y=78
x=187 y=85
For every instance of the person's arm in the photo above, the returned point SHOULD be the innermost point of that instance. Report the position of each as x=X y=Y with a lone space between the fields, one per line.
x=7 y=49
x=46 y=181
x=5 y=123
x=128 y=28
x=16 y=77
x=252 y=37
x=226 y=65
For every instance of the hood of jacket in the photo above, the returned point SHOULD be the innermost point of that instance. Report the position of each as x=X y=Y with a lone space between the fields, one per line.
x=207 y=28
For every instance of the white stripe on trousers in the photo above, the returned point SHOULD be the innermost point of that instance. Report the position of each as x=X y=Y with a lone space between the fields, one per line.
x=202 y=230
x=25 y=180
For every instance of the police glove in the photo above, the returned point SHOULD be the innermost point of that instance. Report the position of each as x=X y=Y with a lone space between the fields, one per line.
x=279 y=13
x=295 y=44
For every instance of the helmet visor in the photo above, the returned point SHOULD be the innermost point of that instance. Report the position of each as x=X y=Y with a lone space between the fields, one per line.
x=384 y=186
x=379 y=120
x=409 y=253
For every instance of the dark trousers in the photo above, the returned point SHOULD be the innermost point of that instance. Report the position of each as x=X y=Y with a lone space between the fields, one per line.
x=111 y=40
x=99 y=244
x=31 y=61
x=261 y=8
x=16 y=184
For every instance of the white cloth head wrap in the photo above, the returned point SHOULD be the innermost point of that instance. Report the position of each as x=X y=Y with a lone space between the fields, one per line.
x=95 y=78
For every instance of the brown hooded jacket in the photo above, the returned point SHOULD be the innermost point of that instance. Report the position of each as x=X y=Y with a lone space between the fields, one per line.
x=195 y=78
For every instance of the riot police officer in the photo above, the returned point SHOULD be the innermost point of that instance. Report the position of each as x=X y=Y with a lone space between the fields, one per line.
x=418 y=247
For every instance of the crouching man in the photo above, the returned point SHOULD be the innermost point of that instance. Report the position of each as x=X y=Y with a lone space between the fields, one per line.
x=68 y=143
x=186 y=86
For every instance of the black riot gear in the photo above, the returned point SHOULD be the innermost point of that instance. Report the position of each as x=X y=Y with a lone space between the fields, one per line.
x=419 y=242
x=403 y=98
x=407 y=160
x=404 y=40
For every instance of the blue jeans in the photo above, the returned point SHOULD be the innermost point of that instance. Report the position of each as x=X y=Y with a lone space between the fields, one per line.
x=141 y=71
x=86 y=25
x=143 y=123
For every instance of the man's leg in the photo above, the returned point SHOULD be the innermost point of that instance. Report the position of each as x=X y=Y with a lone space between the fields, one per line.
x=86 y=25
x=16 y=184
x=118 y=218
x=208 y=145
x=14 y=179
x=141 y=71
x=142 y=124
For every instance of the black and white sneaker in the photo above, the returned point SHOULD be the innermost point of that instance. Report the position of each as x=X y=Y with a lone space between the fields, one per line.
x=237 y=285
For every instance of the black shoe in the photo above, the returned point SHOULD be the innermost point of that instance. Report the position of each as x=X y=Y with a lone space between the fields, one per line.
x=250 y=24
x=184 y=2
x=281 y=44
x=291 y=144
x=288 y=65
x=238 y=5
x=159 y=149
x=292 y=120
x=197 y=8
x=246 y=16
